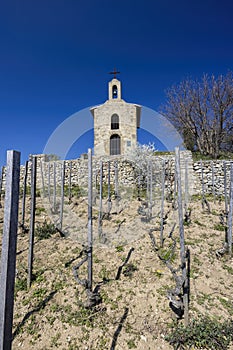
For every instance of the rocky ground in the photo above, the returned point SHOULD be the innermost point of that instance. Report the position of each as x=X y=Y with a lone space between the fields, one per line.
x=134 y=312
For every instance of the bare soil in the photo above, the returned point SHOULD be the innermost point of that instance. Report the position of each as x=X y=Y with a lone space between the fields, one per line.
x=134 y=312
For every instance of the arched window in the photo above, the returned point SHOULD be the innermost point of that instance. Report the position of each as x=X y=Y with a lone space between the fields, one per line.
x=114 y=91
x=115 y=122
x=115 y=145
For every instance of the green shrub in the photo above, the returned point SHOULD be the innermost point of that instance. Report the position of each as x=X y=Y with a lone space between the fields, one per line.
x=40 y=210
x=204 y=333
x=129 y=269
x=20 y=284
x=219 y=227
x=105 y=190
x=76 y=191
x=45 y=231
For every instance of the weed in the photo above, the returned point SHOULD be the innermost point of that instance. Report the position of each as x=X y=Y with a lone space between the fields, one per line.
x=40 y=293
x=82 y=317
x=105 y=190
x=214 y=212
x=72 y=345
x=228 y=268
x=196 y=260
x=163 y=289
x=227 y=304
x=55 y=308
x=107 y=300
x=104 y=274
x=54 y=340
x=75 y=251
x=167 y=254
x=51 y=319
x=129 y=269
x=203 y=298
x=40 y=210
x=219 y=227
x=128 y=328
x=31 y=328
x=27 y=191
x=76 y=191
x=196 y=197
x=38 y=276
x=45 y=231
x=20 y=284
x=102 y=343
x=193 y=241
x=96 y=259
x=131 y=344
x=194 y=272
x=119 y=248
x=202 y=333
x=199 y=223
x=58 y=285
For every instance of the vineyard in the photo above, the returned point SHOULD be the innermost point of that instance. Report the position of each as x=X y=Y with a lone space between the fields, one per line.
x=106 y=266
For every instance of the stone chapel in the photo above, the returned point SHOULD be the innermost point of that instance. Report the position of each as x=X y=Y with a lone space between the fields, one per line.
x=115 y=123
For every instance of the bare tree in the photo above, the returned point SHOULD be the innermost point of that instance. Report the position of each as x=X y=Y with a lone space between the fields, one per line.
x=202 y=111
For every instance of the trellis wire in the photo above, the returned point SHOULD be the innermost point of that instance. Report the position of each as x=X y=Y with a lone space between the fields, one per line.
x=8 y=255
x=32 y=219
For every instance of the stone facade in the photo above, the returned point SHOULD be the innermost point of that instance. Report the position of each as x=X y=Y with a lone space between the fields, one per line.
x=115 y=123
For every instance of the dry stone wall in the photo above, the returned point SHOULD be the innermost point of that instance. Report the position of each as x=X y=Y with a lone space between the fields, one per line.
x=213 y=171
x=213 y=176
x=128 y=170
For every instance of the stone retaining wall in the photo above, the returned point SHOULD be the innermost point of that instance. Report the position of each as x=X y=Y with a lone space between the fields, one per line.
x=213 y=176
x=213 y=171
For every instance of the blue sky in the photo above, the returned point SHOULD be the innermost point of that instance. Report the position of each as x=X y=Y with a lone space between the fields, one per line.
x=55 y=56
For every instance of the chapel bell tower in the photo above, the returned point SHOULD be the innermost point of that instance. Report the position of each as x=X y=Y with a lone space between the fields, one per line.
x=115 y=123
x=114 y=89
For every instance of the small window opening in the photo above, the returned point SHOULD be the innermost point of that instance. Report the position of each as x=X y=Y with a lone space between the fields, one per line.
x=114 y=122
x=114 y=91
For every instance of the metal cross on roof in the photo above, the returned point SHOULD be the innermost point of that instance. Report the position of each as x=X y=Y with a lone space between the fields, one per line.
x=114 y=72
